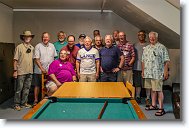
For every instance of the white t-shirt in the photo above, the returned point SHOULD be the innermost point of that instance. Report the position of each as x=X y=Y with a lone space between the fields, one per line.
x=46 y=54
x=87 y=60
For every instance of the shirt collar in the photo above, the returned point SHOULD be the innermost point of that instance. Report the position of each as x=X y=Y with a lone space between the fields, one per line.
x=109 y=47
x=62 y=61
x=70 y=49
x=63 y=42
x=45 y=45
x=86 y=49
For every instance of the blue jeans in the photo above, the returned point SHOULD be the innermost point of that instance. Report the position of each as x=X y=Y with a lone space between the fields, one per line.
x=22 y=89
x=108 y=77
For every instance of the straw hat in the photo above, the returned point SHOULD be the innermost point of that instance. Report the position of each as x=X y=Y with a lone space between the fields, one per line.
x=26 y=34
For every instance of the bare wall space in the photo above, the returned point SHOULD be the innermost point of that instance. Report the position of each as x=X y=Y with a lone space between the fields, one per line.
x=72 y=23
x=6 y=23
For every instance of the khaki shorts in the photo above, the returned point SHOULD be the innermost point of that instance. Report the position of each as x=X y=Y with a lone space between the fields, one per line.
x=49 y=85
x=155 y=85
x=124 y=76
x=87 y=77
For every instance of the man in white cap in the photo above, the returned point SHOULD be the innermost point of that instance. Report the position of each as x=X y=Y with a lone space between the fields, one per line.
x=23 y=70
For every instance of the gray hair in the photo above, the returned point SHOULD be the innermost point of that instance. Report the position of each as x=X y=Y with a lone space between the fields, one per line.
x=155 y=33
x=110 y=37
x=87 y=37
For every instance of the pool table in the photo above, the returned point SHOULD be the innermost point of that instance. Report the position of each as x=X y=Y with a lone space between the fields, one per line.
x=88 y=101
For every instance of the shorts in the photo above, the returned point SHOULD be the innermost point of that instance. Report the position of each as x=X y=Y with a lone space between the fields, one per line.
x=50 y=84
x=124 y=76
x=154 y=84
x=37 y=80
x=87 y=77
x=138 y=81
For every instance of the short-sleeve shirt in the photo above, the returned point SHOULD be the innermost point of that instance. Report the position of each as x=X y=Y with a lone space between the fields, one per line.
x=63 y=71
x=72 y=54
x=24 y=60
x=154 y=57
x=87 y=60
x=128 y=52
x=94 y=46
x=79 y=45
x=138 y=55
x=46 y=54
x=58 y=46
x=110 y=58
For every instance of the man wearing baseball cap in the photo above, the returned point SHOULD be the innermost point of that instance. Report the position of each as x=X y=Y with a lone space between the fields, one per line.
x=23 y=70
x=81 y=41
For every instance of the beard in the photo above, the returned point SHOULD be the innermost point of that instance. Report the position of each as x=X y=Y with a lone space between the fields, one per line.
x=27 y=40
x=61 y=40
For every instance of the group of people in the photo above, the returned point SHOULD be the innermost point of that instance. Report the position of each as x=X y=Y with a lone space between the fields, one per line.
x=113 y=59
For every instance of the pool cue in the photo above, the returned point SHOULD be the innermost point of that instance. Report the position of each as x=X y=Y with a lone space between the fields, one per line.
x=103 y=109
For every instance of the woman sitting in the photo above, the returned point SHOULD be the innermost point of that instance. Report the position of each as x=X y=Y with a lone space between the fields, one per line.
x=60 y=71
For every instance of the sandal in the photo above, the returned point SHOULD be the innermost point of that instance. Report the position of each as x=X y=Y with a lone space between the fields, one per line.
x=160 y=113
x=35 y=103
x=151 y=107
x=17 y=107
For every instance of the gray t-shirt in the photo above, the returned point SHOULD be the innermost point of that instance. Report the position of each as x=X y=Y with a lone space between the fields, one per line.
x=138 y=47
x=87 y=60
x=46 y=54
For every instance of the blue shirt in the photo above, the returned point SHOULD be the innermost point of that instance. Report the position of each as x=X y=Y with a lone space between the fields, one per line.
x=110 y=58
x=79 y=45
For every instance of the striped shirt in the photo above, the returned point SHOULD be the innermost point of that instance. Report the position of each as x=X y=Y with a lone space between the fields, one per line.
x=128 y=52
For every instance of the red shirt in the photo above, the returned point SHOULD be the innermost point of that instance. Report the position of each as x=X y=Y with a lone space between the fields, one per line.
x=72 y=54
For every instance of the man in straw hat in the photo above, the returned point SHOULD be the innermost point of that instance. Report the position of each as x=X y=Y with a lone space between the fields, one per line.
x=23 y=70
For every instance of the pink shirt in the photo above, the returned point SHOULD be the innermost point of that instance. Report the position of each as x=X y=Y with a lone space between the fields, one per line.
x=62 y=70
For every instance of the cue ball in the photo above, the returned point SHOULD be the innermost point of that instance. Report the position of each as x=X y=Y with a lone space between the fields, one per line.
x=63 y=111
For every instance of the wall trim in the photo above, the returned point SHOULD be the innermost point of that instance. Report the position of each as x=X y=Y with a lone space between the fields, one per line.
x=58 y=10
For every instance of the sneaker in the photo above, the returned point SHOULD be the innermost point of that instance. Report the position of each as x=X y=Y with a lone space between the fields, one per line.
x=147 y=102
x=26 y=105
x=138 y=100
x=17 y=107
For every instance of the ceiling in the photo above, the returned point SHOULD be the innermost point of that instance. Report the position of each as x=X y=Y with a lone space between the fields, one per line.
x=65 y=4
x=123 y=8
x=54 y=4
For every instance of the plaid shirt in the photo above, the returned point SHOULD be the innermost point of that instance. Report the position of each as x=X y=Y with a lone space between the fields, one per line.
x=128 y=52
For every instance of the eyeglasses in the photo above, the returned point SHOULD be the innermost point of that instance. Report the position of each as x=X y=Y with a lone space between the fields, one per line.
x=28 y=50
x=141 y=34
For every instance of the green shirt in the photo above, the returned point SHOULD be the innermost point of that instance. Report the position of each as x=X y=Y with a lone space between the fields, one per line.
x=154 y=57
x=58 y=46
